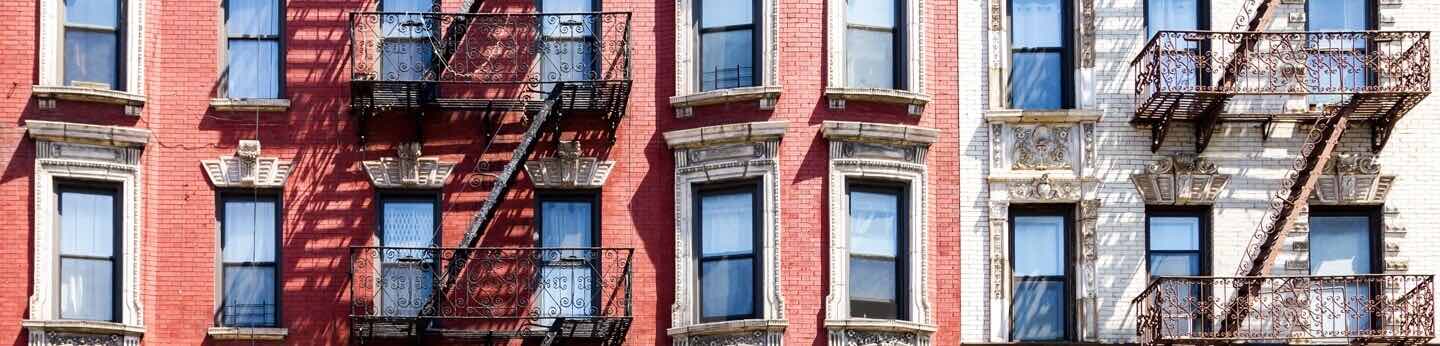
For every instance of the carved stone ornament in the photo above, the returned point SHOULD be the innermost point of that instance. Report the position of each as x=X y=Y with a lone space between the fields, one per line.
x=1352 y=178
x=749 y=338
x=247 y=168
x=1041 y=147
x=408 y=170
x=1180 y=179
x=568 y=170
x=878 y=338
x=1043 y=188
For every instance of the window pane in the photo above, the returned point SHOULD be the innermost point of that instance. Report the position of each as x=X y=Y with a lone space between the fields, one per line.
x=405 y=59
x=249 y=296
x=252 y=17
x=408 y=223
x=1039 y=310
x=571 y=26
x=90 y=57
x=1174 y=233
x=872 y=288
x=878 y=13
x=727 y=224
x=1174 y=264
x=1039 y=246
x=565 y=224
x=87 y=223
x=727 y=60
x=1339 y=245
x=566 y=6
x=407 y=5
x=101 y=13
x=249 y=230
x=718 y=13
x=874 y=224
x=869 y=58
x=1036 y=23
x=568 y=59
x=1337 y=15
x=254 y=69
x=727 y=288
x=1170 y=15
x=87 y=289
x=406 y=288
x=1035 y=80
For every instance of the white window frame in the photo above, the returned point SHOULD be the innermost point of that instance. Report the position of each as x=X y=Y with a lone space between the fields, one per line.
x=914 y=96
x=715 y=154
x=71 y=151
x=687 y=91
x=51 y=59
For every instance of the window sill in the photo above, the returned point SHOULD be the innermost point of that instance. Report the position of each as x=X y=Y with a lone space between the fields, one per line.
x=84 y=327
x=132 y=102
x=879 y=325
x=915 y=101
x=684 y=104
x=1041 y=115
x=250 y=105
x=728 y=327
x=248 y=334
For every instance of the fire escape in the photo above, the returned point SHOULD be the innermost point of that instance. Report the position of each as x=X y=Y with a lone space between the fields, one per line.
x=1329 y=82
x=536 y=71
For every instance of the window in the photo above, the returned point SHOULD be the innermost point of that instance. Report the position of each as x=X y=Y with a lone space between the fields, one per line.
x=253 y=49
x=1040 y=57
x=878 y=265
x=728 y=53
x=94 y=43
x=89 y=253
x=569 y=41
x=249 y=230
x=874 y=44
x=1337 y=62
x=729 y=262
x=1178 y=244
x=1180 y=54
x=1344 y=242
x=408 y=228
x=569 y=224
x=1041 y=306
x=406 y=53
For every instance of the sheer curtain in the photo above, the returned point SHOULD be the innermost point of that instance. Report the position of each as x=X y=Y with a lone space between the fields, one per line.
x=1341 y=246
x=870 y=43
x=567 y=284
x=87 y=255
x=408 y=276
x=249 y=262
x=727 y=229
x=874 y=250
x=569 y=54
x=1039 y=267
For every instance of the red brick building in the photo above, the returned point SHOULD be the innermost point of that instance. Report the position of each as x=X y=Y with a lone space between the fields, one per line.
x=164 y=115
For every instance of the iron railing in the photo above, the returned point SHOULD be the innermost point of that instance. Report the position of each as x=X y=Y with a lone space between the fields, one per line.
x=1351 y=308
x=523 y=286
x=490 y=48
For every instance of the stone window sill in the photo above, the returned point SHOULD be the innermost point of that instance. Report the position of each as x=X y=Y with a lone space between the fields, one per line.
x=684 y=104
x=250 y=105
x=248 y=334
x=48 y=93
x=727 y=327
x=915 y=101
x=1041 y=115
x=880 y=325
x=84 y=327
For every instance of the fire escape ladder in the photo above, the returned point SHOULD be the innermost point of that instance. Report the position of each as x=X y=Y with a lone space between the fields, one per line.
x=548 y=112
x=1210 y=117
x=1315 y=153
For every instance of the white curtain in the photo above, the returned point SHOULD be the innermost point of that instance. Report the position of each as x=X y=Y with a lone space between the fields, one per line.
x=87 y=255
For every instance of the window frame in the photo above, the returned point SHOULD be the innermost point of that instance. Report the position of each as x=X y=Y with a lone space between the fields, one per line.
x=385 y=195
x=279 y=39
x=1377 y=234
x=1066 y=51
x=900 y=45
x=591 y=196
x=756 y=27
x=1205 y=250
x=1202 y=23
x=226 y=195
x=1372 y=23
x=122 y=23
x=1067 y=214
x=384 y=39
x=118 y=274
x=757 y=256
x=901 y=191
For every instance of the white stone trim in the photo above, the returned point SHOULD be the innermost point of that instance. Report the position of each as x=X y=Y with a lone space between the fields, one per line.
x=69 y=151
x=686 y=57
x=52 y=36
x=837 y=91
x=1082 y=35
x=880 y=152
x=408 y=170
x=1180 y=180
x=247 y=334
x=861 y=332
x=247 y=168
x=718 y=154
x=569 y=170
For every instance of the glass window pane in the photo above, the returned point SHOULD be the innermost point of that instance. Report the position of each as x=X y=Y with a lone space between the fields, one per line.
x=1039 y=310
x=405 y=59
x=406 y=288
x=566 y=6
x=100 y=13
x=718 y=13
x=1339 y=245
x=1037 y=23
x=249 y=230
x=727 y=224
x=408 y=223
x=874 y=224
x=249 y=296
x=254 y=69
x=87 y=289
x=877 y=13
x=869 y=58
x=252 y=17
x=1174 y=233
x=1337 y=15
x=726 y=60
x=872 y=288
x=90 y=56
x=407 y=5
x=566 y=224
x=1039 y=246
x=568 y=59
x=727 y=288
x=1035 y=80
x=87 y=223
x=1171 y=15
x=1167 y=264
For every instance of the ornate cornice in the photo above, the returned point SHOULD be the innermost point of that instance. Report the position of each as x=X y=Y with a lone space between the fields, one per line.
x=408 y=170
x=878 y=133
x=247 y=168
x=1041 y=147
x=1043 y=188
x=1180 y=179
x=724 y=134
x=568 y=170
x=1352 y=178
x=115 y=136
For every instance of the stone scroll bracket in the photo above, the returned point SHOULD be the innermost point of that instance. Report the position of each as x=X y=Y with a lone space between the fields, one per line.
x=246 y=168
x=408 y=170
x=1180 y=180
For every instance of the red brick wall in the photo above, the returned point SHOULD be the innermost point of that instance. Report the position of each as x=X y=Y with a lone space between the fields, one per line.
x=329 y=203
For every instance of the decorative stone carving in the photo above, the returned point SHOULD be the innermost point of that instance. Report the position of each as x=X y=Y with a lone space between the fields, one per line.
x=1180 y=179
x=997 y=16
x=408 y=170
x=1352 y=178
x=1041 y=147
x=1043 y=188
x=880 y=338
x=1089 y=282
x=567 y=170
x=1087 y=33
x=247 y=168
x=748 y=338
x=996 y=320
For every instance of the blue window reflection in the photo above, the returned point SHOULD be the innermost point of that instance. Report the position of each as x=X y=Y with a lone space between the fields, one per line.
x=727 y=44
x=88 y=254
x=567 y=276
x=727 y=254
x=1038 y=309
x=875 y=258
x=1342 y=245
x=248 y=250
x=1337 y=61
x=870 y=43
x=1176 y=249
x=253 y=28
x=93 y=42
x=407 y=274
x=406 y=53
x=568 y=41
x=1038 y=48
